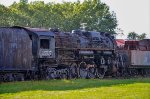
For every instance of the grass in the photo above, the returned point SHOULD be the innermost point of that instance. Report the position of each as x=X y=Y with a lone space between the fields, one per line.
x=77 y=89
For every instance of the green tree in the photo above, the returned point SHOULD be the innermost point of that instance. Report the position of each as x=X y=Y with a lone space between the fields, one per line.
x=5 y=14
x=132 y=36
x=24 y=1
x=142 y=36
x=66 y=15
x=135 y=36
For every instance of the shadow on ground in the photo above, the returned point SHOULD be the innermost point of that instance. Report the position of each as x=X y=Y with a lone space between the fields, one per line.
x=62 y=85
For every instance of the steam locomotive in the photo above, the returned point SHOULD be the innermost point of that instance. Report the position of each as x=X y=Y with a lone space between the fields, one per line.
x=32 y=53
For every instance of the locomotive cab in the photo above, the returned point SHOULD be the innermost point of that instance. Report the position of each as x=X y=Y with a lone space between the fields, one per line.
x=46 y=46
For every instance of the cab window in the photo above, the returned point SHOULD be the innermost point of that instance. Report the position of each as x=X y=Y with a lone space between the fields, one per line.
x=44 y=43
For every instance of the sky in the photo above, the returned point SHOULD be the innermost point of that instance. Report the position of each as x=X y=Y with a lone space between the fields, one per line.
x=132 y=15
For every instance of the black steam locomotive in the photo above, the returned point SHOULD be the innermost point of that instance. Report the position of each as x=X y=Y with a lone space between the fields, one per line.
x=32 y=53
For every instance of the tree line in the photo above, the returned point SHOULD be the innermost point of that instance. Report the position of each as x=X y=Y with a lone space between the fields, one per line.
x=66 y=15
x=136 y=36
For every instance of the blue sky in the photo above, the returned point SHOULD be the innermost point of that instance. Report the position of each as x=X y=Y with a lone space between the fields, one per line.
x=132 y=15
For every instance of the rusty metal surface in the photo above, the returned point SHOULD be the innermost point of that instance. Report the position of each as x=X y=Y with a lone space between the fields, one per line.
x=131 y=45
x=140 y=58
x=15 y=49
x=84 y=40
x=125 y=56
x=85 y=49
x=144 y=44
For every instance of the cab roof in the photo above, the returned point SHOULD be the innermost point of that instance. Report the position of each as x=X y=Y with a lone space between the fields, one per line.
x=37 y=31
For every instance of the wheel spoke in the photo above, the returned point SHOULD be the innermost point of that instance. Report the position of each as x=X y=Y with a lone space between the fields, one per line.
x=83 y=73
x=101 y=72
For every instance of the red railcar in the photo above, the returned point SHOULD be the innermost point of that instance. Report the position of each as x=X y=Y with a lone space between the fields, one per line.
x=135 y=55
